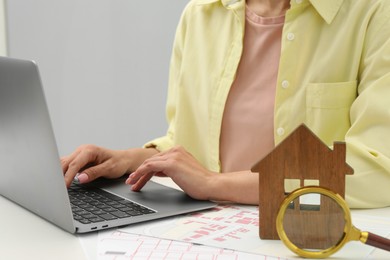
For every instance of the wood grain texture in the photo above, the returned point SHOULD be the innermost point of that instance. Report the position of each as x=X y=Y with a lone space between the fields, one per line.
x=302 y=155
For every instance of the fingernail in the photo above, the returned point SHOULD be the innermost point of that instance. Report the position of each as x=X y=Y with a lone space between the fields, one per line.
x=82 y=177
x=128 y=180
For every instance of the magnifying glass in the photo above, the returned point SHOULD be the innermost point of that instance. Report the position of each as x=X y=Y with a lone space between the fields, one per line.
x=315 y=222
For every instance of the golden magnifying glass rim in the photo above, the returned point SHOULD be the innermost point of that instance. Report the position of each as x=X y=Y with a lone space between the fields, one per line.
x=319 y=190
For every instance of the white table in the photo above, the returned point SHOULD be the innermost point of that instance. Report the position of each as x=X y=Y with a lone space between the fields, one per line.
x=26 y=236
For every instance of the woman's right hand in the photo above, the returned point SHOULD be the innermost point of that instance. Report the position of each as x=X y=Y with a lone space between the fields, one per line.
x=91 y=162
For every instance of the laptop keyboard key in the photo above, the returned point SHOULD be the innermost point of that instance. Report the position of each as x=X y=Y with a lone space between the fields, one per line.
x=96 y=205
x=85 y=221
x=108 y=216
x=96 y=219
x=120 y=214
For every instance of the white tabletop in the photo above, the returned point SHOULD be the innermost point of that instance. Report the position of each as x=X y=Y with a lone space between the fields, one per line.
x=27 y=236
x=24 y=235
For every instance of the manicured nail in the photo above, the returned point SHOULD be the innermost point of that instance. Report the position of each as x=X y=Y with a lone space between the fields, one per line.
x=83 y=177
x=128 y=180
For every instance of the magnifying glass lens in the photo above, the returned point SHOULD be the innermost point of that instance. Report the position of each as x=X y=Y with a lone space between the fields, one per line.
x=314 y=222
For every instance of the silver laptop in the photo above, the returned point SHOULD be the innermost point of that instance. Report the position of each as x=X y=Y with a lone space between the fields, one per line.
x=31 y=174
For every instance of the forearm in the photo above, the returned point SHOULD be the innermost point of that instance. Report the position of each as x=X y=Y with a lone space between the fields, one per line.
x=239 y=187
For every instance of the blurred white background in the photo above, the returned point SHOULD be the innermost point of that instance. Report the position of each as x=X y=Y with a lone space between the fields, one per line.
x=104 y=65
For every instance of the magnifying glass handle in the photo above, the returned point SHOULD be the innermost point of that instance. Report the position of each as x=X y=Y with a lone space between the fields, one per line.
x=375 y=241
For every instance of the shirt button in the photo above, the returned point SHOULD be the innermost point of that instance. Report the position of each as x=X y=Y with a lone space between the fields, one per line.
x=285 y=84
x=280 y=131
x=290 y=36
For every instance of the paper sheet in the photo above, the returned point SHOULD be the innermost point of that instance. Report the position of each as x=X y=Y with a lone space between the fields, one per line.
x=117 y=245
x=235 y=227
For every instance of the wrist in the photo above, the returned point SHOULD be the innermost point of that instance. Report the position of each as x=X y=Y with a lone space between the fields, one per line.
x=214 y=187
x=238 y=187
x=136 y=156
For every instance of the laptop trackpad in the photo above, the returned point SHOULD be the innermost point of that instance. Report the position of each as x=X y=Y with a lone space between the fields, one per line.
x=153 y=195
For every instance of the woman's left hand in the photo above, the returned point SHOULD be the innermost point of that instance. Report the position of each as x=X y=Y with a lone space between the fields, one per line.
x=179 y=165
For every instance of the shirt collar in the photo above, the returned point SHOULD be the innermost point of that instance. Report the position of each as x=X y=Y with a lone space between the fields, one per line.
x=226 y=3
x=207 y=1
x=327 y=8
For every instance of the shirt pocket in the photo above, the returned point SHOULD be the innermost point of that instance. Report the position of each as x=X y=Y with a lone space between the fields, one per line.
x=327 y=109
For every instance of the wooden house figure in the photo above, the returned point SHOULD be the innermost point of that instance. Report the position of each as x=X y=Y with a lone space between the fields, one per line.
x=301 y=159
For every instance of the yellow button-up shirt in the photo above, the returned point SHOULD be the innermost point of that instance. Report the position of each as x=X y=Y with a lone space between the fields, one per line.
x=334 y=76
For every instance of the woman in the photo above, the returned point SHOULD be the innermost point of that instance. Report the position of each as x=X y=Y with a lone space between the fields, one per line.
x=243 y=75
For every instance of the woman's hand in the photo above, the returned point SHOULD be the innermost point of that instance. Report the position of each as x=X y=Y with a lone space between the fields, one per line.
x=179 y=165
x=93 y=161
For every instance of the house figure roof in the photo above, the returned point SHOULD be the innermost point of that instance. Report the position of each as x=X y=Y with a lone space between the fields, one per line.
x=301 y=159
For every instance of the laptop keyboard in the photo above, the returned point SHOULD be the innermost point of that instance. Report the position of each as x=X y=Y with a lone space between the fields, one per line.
x=92 y=205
